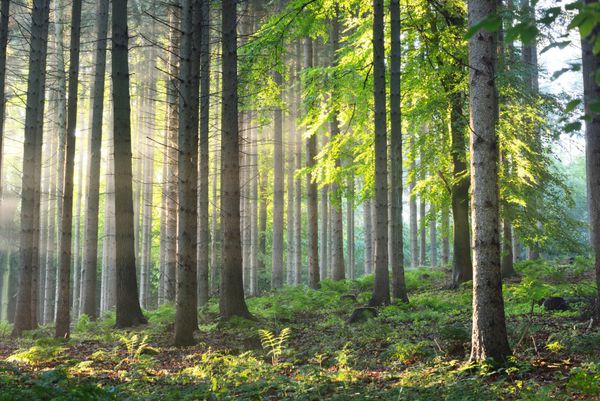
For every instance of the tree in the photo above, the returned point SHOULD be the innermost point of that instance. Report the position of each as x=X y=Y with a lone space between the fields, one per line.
x=129 y=312
x=489 y=338
x=396 y=225
x=337 y=232
x=4 y=20
x=412 y=204
x=591 y=89
x=203 y=189
x=90 y=251
x=231 y=302
x=381 y=290
x=63 y=304
x=278 y=172
x=26 y=305
x=186 y=318
x=314 y=278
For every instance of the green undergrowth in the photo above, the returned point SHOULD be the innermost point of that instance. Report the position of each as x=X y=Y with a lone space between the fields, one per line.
x=300 y=347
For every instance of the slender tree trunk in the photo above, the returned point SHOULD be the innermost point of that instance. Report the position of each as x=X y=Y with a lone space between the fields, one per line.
x=278 y=172
x=214 y=254
x=381 y=287
x=462 y=267
x=298 y=182
x=232 y=301
x=203 y=171
x=4 y=21
x=290 y=188
x=368 y=231
x=422 y=233
x=414 y=227
x=445 y=235
x=323 y=230
x=433 y=238
x=90 y=254
x=76 y=259
x=314 y=278
x=489 y=338
x=129 y=312
x=186 y=318
x=253 y=155
x=396 y=223
x=109 y=284
x=63 y=305
x=591 y=65
x=172 y=119
x=350 y=229
x=26 y=305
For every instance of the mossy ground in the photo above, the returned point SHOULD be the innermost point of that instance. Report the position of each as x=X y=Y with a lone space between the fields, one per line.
x=415 y=351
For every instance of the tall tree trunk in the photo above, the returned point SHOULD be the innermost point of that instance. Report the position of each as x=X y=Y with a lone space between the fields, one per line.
x=381 y=287
x=214 y=254
x=422 y=233
x=26 y=306
x=314 y=278
x=414 y=227
x=368 y=231
x=337 y=216
x=278 y=172
x=489 y=339
x=76 y=259
x=129 y=312
x=109 y=284
x=433 y=238
x=323 y=229
x=462 y=267
x=232 y=302
x=396 y=223
x=350 y=229
x=63 y=304
x=253 y=212
x=4 y=20
x=445 y=235
x=203 y=157
x=298 y=182
x=186 y=318
x=591 y=65
x=290 y=186
x=172 y=119
x=90 y=253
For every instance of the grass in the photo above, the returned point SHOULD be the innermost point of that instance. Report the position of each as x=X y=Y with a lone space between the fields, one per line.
x=416 y=351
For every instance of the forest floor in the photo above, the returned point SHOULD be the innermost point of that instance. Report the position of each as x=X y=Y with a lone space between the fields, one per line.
x=415 y=351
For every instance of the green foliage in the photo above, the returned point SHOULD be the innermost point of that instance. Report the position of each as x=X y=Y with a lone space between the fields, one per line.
x=38 y=354
x=136 y=345
x=5 y=328
x=83 y=324
x=409 y=353
x=274 y=345
x=585 y=379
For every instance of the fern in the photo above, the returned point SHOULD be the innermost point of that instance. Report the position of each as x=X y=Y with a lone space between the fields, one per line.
x=136 y=346
x=274 y=345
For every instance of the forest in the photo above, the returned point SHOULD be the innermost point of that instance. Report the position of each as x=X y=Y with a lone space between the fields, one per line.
x=300 y=200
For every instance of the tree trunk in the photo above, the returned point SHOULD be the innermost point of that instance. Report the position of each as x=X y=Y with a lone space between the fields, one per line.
x=253 y=217
x=278 y=172
x=172 y=119
x=350 y=229
x=311 y=193
x=290 y=186
x=489 y=339
x=4 y=20
x=381 y=287
x=422 y=233
x=203 y=171
x=129 y=312
x=591 y=65
x=396 y=224
x=368 y=240
x=26 y=304
x=462 y=267
x=63 y=305
x=445 y=235
x=298 y=183
x=323 y=229
x=232 y=302
x=414 y=226
x=186 y=318
x=109 y=285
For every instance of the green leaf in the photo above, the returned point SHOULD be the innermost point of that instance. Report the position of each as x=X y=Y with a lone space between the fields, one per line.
x=560 y=45
x=491 y=23
x=550 y=15
x=576 y=5
x=596 y=48
x=572 y=127
x=572 y=105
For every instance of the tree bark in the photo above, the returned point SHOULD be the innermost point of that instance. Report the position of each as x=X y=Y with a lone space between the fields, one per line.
x=129 y=312
x=368 y=240
x=232 y=302
x=489 y=338
x=591 y=65
x=445 y=235
x=350 y=229
x=26 y=305
x=381 y=290
x=433 y=238
x=203 y=190
x=412 y=204
x=422 y=233
x=314 y=278
x=4 y=20
x=396 y=224
x=278 y=172
x=298 y=182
